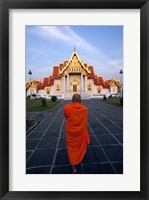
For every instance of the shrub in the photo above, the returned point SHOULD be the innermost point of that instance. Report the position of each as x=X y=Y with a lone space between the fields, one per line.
x=33 y=95
x=53 y=98
x=44 y=102
x=121 y=100
x=104 y=97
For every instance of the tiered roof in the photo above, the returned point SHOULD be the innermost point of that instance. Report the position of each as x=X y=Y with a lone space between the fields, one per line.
x=58 y=73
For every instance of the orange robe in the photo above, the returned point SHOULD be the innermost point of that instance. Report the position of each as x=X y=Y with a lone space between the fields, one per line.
x=77 y=137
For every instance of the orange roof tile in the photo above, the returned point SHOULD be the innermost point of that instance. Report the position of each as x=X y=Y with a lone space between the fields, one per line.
x=105 y=85
x=61 y=66
x=56 y=74
x=91 y=69
x=100 y=81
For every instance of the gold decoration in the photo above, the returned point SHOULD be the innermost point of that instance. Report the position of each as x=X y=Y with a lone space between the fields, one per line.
x=89 y=87
x=48 y=90
x=57 y=87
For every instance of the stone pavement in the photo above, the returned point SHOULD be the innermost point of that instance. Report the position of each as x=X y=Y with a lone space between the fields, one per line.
x=46 y=151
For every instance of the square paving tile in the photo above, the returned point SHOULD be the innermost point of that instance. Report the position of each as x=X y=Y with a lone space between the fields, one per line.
x=104 y=168
x=63 y=128
x=114 y=153
x=104 y=121
x=54 y=127
x=120 y=124
x=110 y=125
x=93 y=141
x=66 y=169
x=35 y=134
x=48 y=143
x=106 y=139
x=28 y=153
x=118 y=167
x=102 y=131
x=41 y=158
x=120 y=138
x=51 y=133
x=90 y=132
x=31 y=144
x=62 y=157
x=41 y=127
x=62 y=143
x=94 y=154
x=62 y=170
x=63 y=133
x=115 y=130
x=39 y=170
x=96 y=125
x=93 y=123
x=58 y=121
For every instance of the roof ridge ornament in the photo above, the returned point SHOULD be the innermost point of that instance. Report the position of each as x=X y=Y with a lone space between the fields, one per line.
x=74 y=48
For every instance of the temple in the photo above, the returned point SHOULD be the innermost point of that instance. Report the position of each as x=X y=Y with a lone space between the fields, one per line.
x=71 y=77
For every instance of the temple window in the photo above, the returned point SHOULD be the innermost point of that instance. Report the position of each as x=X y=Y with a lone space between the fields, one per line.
x=89 y=87
x=48 y=90
x=57 y=87
x=99 y=89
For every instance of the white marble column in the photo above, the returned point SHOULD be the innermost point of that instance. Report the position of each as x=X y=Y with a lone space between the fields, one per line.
x=85 y=85
x=81 y=83
x=84 y=82
x=68 y=83
x=64 y=84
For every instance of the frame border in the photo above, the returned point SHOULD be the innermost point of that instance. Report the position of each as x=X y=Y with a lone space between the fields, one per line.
x=5 y=5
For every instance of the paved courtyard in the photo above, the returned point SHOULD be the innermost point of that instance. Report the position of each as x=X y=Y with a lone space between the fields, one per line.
x=46 y=151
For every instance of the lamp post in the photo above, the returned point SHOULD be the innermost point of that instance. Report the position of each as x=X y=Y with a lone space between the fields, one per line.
x=30 y=75
x=121 y=74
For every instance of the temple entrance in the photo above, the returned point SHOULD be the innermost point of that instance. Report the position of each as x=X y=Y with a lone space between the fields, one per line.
x=75 y=88
x=74 y=84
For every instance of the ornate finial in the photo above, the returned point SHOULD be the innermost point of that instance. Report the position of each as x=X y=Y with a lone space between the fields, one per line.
x=74 y=48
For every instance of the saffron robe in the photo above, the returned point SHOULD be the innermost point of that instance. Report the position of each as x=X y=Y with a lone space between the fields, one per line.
x=77 y=137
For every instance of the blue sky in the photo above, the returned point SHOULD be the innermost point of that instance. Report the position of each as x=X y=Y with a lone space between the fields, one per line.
x=98 y=46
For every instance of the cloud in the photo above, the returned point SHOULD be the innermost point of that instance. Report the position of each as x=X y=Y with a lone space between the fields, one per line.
x=111 y=68
x=118 y=51
x=106 y=68
x=34 y=51
x=68 y=36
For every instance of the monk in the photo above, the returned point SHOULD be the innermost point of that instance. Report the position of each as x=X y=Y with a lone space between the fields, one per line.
x=77 y=137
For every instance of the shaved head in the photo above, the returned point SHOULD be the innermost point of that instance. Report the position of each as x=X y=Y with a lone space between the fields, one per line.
x=76 y=98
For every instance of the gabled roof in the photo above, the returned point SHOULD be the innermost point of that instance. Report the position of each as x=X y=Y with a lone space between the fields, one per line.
x=47 y=81
x=32 y=82
x=84 y=66
x=110 y=82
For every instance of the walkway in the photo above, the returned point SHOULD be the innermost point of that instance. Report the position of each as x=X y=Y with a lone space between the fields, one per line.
x=46 y=151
